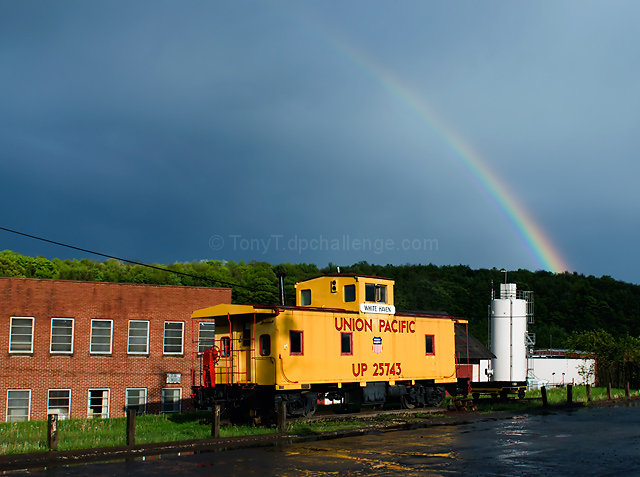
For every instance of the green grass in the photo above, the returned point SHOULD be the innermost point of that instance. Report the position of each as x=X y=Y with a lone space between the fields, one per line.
x=31 y=436
x=315 y=427
x=555 y=397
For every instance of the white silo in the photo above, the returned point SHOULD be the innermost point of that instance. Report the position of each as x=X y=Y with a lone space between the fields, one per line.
x=508 y=321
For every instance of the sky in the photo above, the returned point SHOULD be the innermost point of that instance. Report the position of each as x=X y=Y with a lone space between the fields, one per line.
x=491 y=134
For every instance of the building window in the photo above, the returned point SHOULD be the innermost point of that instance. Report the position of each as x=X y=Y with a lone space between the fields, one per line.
x=375 y=293
x=265 y=345
x=171 y=399
x=349 y=293
x=61 y=335
x=305 y=297
x=59 y=403
x=18 y=404
x=429 y=345
x=21 y=335
x=101 y=334
x=137 y=399
x=98 y=403
x=346 y=343
x=225 y=346
x=173 y=337
x=206 y=335
x=296 y=343
x=138 y=337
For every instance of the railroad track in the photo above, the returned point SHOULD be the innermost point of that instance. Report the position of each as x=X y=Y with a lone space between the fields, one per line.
x=368 y=414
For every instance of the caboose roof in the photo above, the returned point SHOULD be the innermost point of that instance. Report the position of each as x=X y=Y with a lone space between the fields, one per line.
x=345 y=275
x=271 y=310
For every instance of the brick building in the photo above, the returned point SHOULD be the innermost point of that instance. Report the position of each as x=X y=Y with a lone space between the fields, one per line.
x=90 y=348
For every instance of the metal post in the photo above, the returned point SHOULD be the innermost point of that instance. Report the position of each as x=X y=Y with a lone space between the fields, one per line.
x=52 y=431
x=543 y=391
x=282 y=416
x=609 y=391
x=131 y=426
x=588 y=388
x=215 y=424
x=570 y=394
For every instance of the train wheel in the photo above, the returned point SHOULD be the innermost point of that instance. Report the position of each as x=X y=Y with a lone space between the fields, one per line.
x=404 y=401
x=434 y=395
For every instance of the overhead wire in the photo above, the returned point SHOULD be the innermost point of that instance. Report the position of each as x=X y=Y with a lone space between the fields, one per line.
x=134 y=262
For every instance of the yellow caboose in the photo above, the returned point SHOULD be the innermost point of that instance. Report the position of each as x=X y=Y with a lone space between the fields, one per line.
x=343 y=340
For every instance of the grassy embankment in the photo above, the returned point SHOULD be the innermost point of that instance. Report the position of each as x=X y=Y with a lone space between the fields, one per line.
x=555 y=397
x=31 y=436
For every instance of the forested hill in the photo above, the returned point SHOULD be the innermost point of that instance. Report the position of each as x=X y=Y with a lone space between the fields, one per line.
x=563 y=302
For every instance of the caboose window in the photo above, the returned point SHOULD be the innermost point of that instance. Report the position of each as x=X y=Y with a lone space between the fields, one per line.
x=375 y=293
x=346 y=342
x=429 y=347
x=225 y=346
x=381 y=295
x=349 y=293
x=369 y=292
x=305 y=297
x=295 y=343
x=265 y=345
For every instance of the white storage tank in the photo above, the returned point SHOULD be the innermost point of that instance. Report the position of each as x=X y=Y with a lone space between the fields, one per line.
x=508 y=335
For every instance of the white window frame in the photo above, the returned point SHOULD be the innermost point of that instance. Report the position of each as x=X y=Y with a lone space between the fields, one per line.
x=22 y=351
x=179 y=400
x=164 y=341
x=49 y=408
x=146 y=351
x=91 y=351
x=102 y=415
x=203 y=342
x=72 y=336
x=28 y=407
x=143 y=407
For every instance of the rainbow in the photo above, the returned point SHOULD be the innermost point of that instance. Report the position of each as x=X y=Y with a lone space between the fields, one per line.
x=536 y=241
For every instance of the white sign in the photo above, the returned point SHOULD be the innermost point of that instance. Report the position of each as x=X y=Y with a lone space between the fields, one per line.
x=173 y=378
x=376 y=308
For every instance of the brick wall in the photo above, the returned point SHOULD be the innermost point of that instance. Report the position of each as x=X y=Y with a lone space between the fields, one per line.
x=80 y=371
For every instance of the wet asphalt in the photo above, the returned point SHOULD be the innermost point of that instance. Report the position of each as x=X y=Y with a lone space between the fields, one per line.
x=602 y=441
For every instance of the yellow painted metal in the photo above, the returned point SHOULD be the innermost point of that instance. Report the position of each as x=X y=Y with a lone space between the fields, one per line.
x=400 y=356
x=329 y=291
x=226 y=309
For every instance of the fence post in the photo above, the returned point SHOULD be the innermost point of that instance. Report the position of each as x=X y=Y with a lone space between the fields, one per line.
x=131 y=426
x=609 y=391
x=569 y=394
x=543 y=391
x=282 y=416
x=52 y=431
x=215 y=424
x=588 y=388
x=626 y=389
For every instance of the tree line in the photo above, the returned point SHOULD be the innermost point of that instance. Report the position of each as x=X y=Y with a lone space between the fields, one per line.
x=566 y=304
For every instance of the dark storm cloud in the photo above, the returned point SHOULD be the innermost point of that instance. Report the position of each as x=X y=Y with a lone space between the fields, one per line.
x=144 y=129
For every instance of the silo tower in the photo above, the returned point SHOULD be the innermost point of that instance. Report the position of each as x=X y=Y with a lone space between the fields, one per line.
x=509 y=314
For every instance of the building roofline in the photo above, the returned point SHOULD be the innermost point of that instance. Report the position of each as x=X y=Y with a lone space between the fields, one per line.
x=62 y=280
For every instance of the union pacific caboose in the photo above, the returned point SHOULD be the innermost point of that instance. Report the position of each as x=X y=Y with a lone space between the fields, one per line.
x=344 y=340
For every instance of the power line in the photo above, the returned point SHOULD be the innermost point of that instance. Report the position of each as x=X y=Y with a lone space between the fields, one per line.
x=134 y=262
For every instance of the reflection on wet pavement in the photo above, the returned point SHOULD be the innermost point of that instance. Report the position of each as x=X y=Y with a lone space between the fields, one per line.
x=584 y=442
